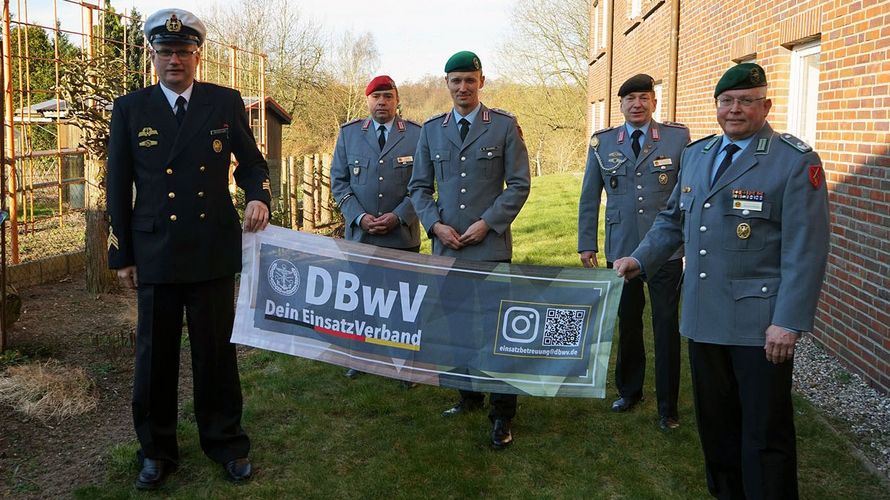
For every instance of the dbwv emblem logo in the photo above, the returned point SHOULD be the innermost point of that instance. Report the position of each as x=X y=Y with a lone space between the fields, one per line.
x=284 y=277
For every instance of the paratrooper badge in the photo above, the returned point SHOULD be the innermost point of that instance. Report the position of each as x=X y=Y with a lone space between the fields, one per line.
x=147 y=132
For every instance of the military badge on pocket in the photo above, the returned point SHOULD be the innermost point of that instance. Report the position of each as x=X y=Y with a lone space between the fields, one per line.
x=217 y=145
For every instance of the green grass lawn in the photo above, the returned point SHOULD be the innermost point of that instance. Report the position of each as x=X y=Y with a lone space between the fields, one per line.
x=317 y=434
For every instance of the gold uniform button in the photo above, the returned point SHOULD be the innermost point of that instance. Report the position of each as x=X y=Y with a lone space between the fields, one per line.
x=202 y=216
x=169 y=171
x=200 y=194
x=171 y=195
x=173 y=217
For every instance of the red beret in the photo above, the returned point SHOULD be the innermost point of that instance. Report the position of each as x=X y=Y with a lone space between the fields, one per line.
x=382 y=82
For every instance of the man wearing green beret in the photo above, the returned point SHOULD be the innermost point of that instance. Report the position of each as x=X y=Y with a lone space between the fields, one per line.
x=469 y=155
x=751 y=210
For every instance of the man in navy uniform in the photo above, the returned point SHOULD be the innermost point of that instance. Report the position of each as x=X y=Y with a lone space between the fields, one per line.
x=637 y=164
x=751 y=208
x=179 y=244
x=468 y=155
x=372 y=165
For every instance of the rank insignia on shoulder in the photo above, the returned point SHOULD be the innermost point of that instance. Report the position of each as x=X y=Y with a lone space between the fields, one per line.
x=674 y=124
x=148 y=143
x=796 y=143
x=817 y=175
x=350 y=122
x=710 y=143
x=435 y=117
x=147 y=132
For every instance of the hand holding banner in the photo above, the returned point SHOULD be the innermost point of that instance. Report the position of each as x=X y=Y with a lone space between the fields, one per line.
x=482 y=326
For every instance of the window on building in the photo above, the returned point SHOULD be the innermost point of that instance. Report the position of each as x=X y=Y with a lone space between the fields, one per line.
x=600 y=114
x=804 y=91
x=659 y=88
x=604 y=18
x=593 y=126
x=595 y=26
x=635 y=6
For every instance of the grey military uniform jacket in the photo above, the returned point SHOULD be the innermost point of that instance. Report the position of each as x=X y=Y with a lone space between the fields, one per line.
x=470 y=177
x=637 y=188
x=756 y=242
x=365 y=179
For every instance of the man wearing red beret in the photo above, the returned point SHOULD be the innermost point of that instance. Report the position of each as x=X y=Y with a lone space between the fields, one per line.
x=373 y=161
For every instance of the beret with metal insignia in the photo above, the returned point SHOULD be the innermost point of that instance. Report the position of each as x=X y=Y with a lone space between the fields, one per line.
x=379 y=83
x=174 y=26
x=741 y=76
x=637 y=83
x=463 y=61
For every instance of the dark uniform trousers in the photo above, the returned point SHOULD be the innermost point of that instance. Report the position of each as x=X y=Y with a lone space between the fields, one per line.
x=217 y=389
x=733 y=387
x=630 y=369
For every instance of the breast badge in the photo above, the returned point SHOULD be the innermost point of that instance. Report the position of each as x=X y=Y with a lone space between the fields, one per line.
x=613 y=182
x=148 y=143
x=662 y=178
x=743 y=231
x=147 y=132
x=217 y=145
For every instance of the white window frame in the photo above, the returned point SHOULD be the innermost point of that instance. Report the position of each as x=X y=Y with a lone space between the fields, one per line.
x=596 y=29
x=803 y=91
x=636 y=6
x=659 y=91
x=605 y=24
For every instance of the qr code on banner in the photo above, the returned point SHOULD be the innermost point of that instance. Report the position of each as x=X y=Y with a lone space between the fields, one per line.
x=563 y=327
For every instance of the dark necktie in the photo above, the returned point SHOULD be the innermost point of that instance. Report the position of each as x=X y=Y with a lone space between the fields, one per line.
x=381 y=137
x=464 y=128
x=730 y=150
x=635 y=142
x=180 y=109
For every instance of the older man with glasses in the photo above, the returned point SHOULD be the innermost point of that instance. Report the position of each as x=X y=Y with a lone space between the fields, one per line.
x=751 y=210
x=179 y=243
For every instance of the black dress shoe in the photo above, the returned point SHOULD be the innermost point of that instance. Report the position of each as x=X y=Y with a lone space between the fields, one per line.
x=667 y=424
x=352 y=373
x=238 y=470
x=624 y=404
x=501 y=437
x=462 y=406
x=153 y=473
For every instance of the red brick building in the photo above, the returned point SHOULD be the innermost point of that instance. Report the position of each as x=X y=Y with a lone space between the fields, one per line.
x=828 y=65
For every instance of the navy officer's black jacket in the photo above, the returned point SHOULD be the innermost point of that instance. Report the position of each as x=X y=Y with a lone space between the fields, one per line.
x=182 y=226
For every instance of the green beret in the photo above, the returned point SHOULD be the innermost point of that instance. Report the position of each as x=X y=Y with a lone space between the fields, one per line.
x=463 y=61
x=741 y=76
x=637 y=83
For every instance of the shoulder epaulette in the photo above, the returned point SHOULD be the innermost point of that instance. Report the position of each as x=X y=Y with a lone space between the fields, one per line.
x=503 y=112
x=435 y=117
x=674 y=124
x=351 y=122
x=796 y=143
x=412 y=122
x=600 y=131
x=701 y=139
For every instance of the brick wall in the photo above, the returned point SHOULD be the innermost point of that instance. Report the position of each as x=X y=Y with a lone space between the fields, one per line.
x=852 y=130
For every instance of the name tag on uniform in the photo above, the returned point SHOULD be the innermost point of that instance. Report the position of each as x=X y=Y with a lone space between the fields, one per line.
x=219 y=131
x=491 y=148
x=743 y=199
x=404 y=160
x=664 y=162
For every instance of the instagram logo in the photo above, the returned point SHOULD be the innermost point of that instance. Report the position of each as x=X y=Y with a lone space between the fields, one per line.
x=520 y=324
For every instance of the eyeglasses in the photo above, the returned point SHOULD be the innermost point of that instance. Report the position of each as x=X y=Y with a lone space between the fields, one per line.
x=181 y=54
x=745 y=102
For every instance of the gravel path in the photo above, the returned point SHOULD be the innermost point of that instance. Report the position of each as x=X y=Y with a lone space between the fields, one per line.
x=864 y=411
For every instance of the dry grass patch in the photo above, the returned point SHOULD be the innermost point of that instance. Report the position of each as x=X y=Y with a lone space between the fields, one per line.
x=48 y=390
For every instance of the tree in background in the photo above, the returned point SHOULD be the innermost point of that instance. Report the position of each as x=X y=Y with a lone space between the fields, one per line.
x=544 y=63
